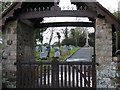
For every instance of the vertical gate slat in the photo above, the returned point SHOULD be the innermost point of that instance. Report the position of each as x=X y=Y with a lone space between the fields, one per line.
x=93 y=76
x=30 y=77
x=33 y=75
x=81 y=75
x=40 y=75
x=44 y=75
x=23 y=76
x=84 y=75
x=65 y=71
x=37 y=75
x=18 y=76
x=89 y=76
x=57 y=75
x=69 y=74
x=48 y=79
x=61 y=75
x=73 y=80
x=77 y=76
x=26 y=77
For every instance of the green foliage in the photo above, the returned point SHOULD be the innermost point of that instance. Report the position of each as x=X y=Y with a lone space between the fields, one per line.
x=91 y=39
x=76 y=38
x=117 y=15
x=38 y=35
x=4 y=6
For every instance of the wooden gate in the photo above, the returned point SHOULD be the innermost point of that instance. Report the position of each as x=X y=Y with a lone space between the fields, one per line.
x=56 y=75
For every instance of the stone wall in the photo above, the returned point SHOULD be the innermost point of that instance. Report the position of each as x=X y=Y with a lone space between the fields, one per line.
x=106 y=72
x=0 y=59
x=9 y=55
x=18 y=45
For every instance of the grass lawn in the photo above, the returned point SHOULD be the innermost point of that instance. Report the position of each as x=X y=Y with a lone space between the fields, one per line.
x=63 y=57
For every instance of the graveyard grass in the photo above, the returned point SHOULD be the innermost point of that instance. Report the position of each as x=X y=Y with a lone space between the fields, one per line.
x=63 y=57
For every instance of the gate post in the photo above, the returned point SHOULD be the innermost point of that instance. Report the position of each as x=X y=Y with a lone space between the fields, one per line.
x=55 y=72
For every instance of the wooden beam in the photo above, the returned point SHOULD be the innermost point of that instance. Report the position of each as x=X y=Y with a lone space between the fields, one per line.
x=118 y=40
x=66 y=13
x=62 y=24
x=27 y=22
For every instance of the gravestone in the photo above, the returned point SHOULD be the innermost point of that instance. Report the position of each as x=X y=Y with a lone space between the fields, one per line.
x=65 y=49
x=43 y=53
x=69 y=48
x=43 y=48
x=57 y=52
x=37 y=48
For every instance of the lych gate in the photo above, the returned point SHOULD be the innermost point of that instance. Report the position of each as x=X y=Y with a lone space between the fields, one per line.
x=18 y=26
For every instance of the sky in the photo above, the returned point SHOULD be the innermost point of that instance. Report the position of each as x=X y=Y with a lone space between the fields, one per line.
x=111 y=5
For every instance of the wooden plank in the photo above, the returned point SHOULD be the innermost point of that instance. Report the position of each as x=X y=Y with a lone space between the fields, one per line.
x=30 y=76
x=65 y=71
x=69 y=75
x=77 y=76
x=18 y=76
x=84 y=75
x=57 y=76
x=40 y=75
x=93 y=77
x=37 y=75
x=66 y=13
x=23 y=76
x=48 y=72
x=62 y=24
x=89 y=75
x=61 y=75
x=49 y=63
x=81 y=81
x=26 y=77
x=44 y=75
x=73 y=77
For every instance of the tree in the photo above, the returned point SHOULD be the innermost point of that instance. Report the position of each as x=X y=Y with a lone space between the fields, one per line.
x=91 y=39
x=76 y=38
x=58 y=35
x=117 y=14
x=4 y=6
x=39 y=35
x=65 y=32
x=51 y=36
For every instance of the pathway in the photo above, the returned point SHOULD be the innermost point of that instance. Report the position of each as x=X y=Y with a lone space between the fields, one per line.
x=84 y=54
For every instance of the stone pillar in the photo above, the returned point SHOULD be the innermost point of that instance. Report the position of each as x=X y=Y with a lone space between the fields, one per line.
x=18 y=45
x=0 y=59
x=106 y=71
x=9 y=35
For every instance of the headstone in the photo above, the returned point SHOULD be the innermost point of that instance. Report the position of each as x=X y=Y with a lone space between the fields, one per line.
x=43 y=53
x=56 y=49
x=37 y=48
x=69 y=48
x=65 y=49
x=57 y=52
